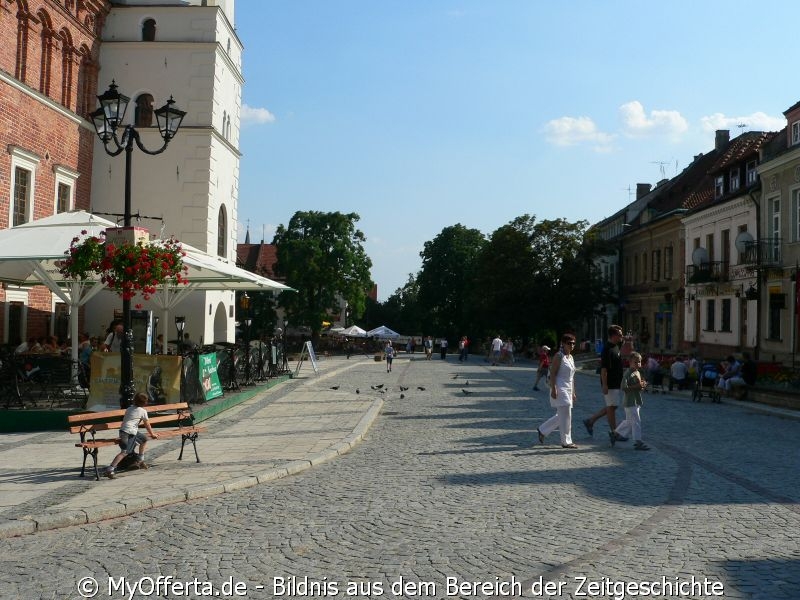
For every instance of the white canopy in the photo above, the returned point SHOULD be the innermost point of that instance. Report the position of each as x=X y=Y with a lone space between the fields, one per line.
x=29 y=254
x=353 y=331
x=383 y=332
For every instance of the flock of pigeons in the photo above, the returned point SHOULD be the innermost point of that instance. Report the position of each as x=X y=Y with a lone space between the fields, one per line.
x=380 y=388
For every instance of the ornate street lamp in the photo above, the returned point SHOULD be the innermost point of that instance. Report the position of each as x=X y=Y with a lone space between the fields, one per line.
x=107 y=120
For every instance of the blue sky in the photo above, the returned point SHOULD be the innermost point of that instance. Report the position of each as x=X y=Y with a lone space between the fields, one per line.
x=420 y=114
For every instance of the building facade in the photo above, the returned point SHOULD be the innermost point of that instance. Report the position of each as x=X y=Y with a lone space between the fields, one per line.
x=779 y=243
x=49 y=61
x=190 y=51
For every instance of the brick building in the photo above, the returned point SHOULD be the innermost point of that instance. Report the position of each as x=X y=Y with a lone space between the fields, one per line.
x=48 y=83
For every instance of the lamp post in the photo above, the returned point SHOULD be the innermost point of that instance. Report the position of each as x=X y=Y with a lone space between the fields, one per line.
x=244 y=305
x=107 y=120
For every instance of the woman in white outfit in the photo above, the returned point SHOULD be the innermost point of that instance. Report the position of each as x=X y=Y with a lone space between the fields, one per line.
x=562 y=394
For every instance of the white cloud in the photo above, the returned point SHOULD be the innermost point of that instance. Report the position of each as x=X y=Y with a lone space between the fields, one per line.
x=571 y=131
x=636 y=122
x=256 y=116
x=757 y=121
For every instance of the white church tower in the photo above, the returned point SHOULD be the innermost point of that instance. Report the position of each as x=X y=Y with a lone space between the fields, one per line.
x=188 y=49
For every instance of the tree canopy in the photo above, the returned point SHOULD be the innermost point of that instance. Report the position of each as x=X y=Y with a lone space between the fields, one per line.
x=446 y=279
x=527 y=279
x=322 y=256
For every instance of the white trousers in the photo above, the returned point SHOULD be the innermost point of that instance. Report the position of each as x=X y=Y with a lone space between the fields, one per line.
x=562 y=421
x=632 y=425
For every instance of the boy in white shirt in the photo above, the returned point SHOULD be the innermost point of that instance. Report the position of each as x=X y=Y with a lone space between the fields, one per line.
x=130 y=435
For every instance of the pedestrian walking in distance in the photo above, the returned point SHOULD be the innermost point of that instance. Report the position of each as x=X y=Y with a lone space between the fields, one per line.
x=389 y=352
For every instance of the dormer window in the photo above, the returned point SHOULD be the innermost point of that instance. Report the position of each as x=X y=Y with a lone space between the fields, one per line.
x=795 y=133
x=734 y=179
x=750 y=173
x=719 y=186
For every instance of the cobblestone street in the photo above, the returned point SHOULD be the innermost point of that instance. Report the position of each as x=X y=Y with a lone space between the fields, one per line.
x=450 y=482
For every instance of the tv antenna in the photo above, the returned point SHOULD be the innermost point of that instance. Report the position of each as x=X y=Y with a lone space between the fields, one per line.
x=630 y=192
x=662 y=166
x=741 y=127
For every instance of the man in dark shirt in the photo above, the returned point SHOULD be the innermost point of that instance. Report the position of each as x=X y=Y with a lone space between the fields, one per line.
x=749 y=370
x=610 y=381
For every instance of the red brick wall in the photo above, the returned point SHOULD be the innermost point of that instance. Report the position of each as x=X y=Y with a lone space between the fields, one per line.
x=30 y=123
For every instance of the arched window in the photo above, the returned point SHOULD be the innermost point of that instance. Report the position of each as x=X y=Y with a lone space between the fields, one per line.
x=143 y=113
x=21 y=70
x=67 y=52
x=222 y=233
x=47 y=52
x=87 y=82
x=149 y=30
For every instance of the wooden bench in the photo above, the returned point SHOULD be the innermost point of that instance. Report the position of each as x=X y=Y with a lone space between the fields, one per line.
x=87 y=425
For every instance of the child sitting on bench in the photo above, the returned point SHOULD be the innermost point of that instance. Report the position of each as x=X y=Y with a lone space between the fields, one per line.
x=129 y=434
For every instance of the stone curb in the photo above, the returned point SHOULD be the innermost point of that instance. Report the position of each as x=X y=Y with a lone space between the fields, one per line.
x=102 y=512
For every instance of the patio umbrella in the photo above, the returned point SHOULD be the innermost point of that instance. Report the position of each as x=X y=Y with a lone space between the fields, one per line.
x=30 y=253
x=383 y=333
x=353 y=331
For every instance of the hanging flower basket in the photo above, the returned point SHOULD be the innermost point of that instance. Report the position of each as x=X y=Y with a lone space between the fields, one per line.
x=126 y=268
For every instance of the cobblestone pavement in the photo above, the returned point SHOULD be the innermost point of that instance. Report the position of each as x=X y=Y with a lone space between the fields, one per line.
x=448 y=483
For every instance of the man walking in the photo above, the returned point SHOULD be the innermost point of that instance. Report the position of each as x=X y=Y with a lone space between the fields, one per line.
x=497 y=345
x=610 y=382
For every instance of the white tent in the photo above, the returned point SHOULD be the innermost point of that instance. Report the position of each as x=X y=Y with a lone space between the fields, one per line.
x=353 y=331
x=383 y=333
x=29 y=255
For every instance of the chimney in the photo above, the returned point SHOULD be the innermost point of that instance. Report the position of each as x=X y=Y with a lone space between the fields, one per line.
x=722 y=138
x=642 y=189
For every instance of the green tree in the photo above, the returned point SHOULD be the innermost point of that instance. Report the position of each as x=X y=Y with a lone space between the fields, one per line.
x=402 y=310
x=502 y=296
x=566 y=285
x=322 y=256
x=446 y=279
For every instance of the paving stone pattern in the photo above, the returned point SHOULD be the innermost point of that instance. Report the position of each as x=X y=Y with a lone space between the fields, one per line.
x=451 y=484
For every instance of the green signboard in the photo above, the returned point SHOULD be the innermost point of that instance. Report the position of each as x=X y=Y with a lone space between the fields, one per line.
x=209 y=380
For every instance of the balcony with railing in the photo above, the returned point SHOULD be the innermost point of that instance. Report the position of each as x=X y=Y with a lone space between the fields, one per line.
x=708 y=272
x=764 y=252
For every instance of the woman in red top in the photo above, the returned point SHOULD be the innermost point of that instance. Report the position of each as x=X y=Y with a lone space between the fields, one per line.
x=544 y=366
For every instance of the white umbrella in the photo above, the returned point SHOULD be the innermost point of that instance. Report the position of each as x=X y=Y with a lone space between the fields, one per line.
x=383 y=332
x=29 y=255
x=354 y=331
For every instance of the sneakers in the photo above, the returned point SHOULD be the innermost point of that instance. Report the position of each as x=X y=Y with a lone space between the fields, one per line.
x=109 y=473
x=613 y=437
x=620 y=438
x=140 y=464
x=589 y=426
x=536 y=388
x=541 y=436
x=640 y=445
